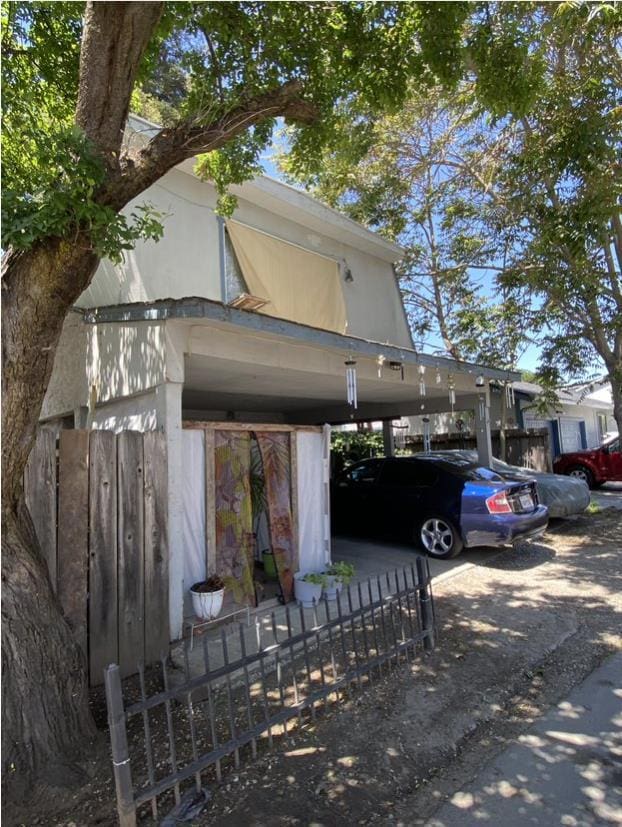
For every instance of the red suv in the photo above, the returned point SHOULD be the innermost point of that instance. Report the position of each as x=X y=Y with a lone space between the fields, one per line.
x=597 y=466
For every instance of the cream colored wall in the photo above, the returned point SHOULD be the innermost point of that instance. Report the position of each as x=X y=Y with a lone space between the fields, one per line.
x=185 y=262
x=125 y=359
x=138 y=413
x=68 y=388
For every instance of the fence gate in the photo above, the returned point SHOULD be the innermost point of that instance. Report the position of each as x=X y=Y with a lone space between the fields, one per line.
x=99 y=505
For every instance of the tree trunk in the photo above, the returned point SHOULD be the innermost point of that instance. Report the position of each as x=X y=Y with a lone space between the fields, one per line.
x=44 y=682
x=45 y=693
x=615 y=377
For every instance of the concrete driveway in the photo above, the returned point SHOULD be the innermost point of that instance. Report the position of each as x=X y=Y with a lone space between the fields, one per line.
x=371 y=558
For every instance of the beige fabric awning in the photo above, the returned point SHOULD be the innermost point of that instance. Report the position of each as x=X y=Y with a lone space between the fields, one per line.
x=300 y=286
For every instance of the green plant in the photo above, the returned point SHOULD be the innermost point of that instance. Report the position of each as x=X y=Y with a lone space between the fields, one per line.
x=348 y=447
x=315 y=579
x=344 y=572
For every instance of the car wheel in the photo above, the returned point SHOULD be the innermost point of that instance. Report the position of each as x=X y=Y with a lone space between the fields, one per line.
x=439 y=537
x=582 y=473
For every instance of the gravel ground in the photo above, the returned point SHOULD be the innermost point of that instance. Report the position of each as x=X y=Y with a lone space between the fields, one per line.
x=516 y=633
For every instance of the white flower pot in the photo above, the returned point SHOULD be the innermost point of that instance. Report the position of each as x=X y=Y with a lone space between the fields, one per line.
x=333 y=585
x=309 y=594
x=207 y=605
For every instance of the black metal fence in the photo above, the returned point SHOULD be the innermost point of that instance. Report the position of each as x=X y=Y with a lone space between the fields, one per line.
x=254 y=683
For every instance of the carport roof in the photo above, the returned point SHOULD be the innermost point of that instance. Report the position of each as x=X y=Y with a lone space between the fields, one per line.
x=198 y=308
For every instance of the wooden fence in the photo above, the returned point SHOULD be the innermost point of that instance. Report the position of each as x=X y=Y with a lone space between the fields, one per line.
x=529 y=448
x=98 y=501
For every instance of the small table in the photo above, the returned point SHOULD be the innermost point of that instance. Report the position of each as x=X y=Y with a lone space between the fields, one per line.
x=198 y=625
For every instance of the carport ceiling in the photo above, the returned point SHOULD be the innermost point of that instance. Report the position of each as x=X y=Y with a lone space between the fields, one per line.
x=224 y=384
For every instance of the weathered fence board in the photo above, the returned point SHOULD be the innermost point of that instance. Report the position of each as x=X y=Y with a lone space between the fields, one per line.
x=73 y=531
x=131 y=548
x=529 y=448
x=156 y=545
x=103 y=588
x=40 y=493
x=99 y=506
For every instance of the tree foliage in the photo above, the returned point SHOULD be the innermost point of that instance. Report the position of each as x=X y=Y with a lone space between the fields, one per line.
x=203 y=61
x=515 y=175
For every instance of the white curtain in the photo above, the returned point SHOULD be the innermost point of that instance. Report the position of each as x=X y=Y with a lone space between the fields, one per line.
x=193 y=497
x=314 y=554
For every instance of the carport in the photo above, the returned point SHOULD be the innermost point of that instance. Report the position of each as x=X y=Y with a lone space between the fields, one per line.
x=261 y=373
x=245 y=367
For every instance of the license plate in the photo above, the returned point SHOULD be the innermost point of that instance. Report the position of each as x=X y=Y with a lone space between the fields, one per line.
x=526 y=501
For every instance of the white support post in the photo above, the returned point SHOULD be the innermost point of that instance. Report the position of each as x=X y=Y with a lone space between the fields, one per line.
x=482 y=429
x=168 y=405
x=387 y=438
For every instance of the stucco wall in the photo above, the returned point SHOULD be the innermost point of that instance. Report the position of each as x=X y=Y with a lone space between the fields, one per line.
x=125 y=359
x=186 y=261
x=68 y=388
x=138 y=413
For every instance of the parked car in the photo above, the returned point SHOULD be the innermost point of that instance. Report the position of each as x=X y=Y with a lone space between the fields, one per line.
x=442 y=504
x=595 y=466
x=563 y=496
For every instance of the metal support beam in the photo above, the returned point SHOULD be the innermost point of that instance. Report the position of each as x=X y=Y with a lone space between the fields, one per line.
x=482 y=429
x=387 y=438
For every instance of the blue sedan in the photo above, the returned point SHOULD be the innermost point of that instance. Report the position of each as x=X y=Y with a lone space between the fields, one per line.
x=443 y=504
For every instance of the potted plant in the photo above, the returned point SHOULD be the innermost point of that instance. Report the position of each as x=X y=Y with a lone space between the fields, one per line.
x=337 y=576
x=308 y=587
x=207 y=596
x=269 y=565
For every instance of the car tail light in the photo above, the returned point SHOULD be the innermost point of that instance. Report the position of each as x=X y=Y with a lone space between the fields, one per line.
x=498 y=504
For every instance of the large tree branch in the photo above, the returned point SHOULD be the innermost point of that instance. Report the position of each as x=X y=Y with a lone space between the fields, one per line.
x=114 y=40
x=188 y=138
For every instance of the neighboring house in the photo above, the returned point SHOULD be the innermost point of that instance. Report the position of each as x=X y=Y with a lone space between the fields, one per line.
x=249 y=326
x=582 y=417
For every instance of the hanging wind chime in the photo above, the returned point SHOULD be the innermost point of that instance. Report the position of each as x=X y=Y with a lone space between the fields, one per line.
x=351 y=383
x=438 y=379
x=452 y=392
x=509 y=395
x=421 y=380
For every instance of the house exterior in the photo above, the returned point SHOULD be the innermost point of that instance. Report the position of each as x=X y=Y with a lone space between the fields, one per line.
x=277 y=321
x=581 y=419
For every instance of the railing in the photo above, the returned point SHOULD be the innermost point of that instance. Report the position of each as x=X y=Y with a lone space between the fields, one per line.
x=296 y=660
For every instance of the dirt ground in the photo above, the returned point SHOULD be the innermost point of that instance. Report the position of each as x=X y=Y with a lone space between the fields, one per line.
x=516 y=633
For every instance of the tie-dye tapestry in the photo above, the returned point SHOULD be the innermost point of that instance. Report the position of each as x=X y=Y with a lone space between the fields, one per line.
x=234 y=515
x=275 y=454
